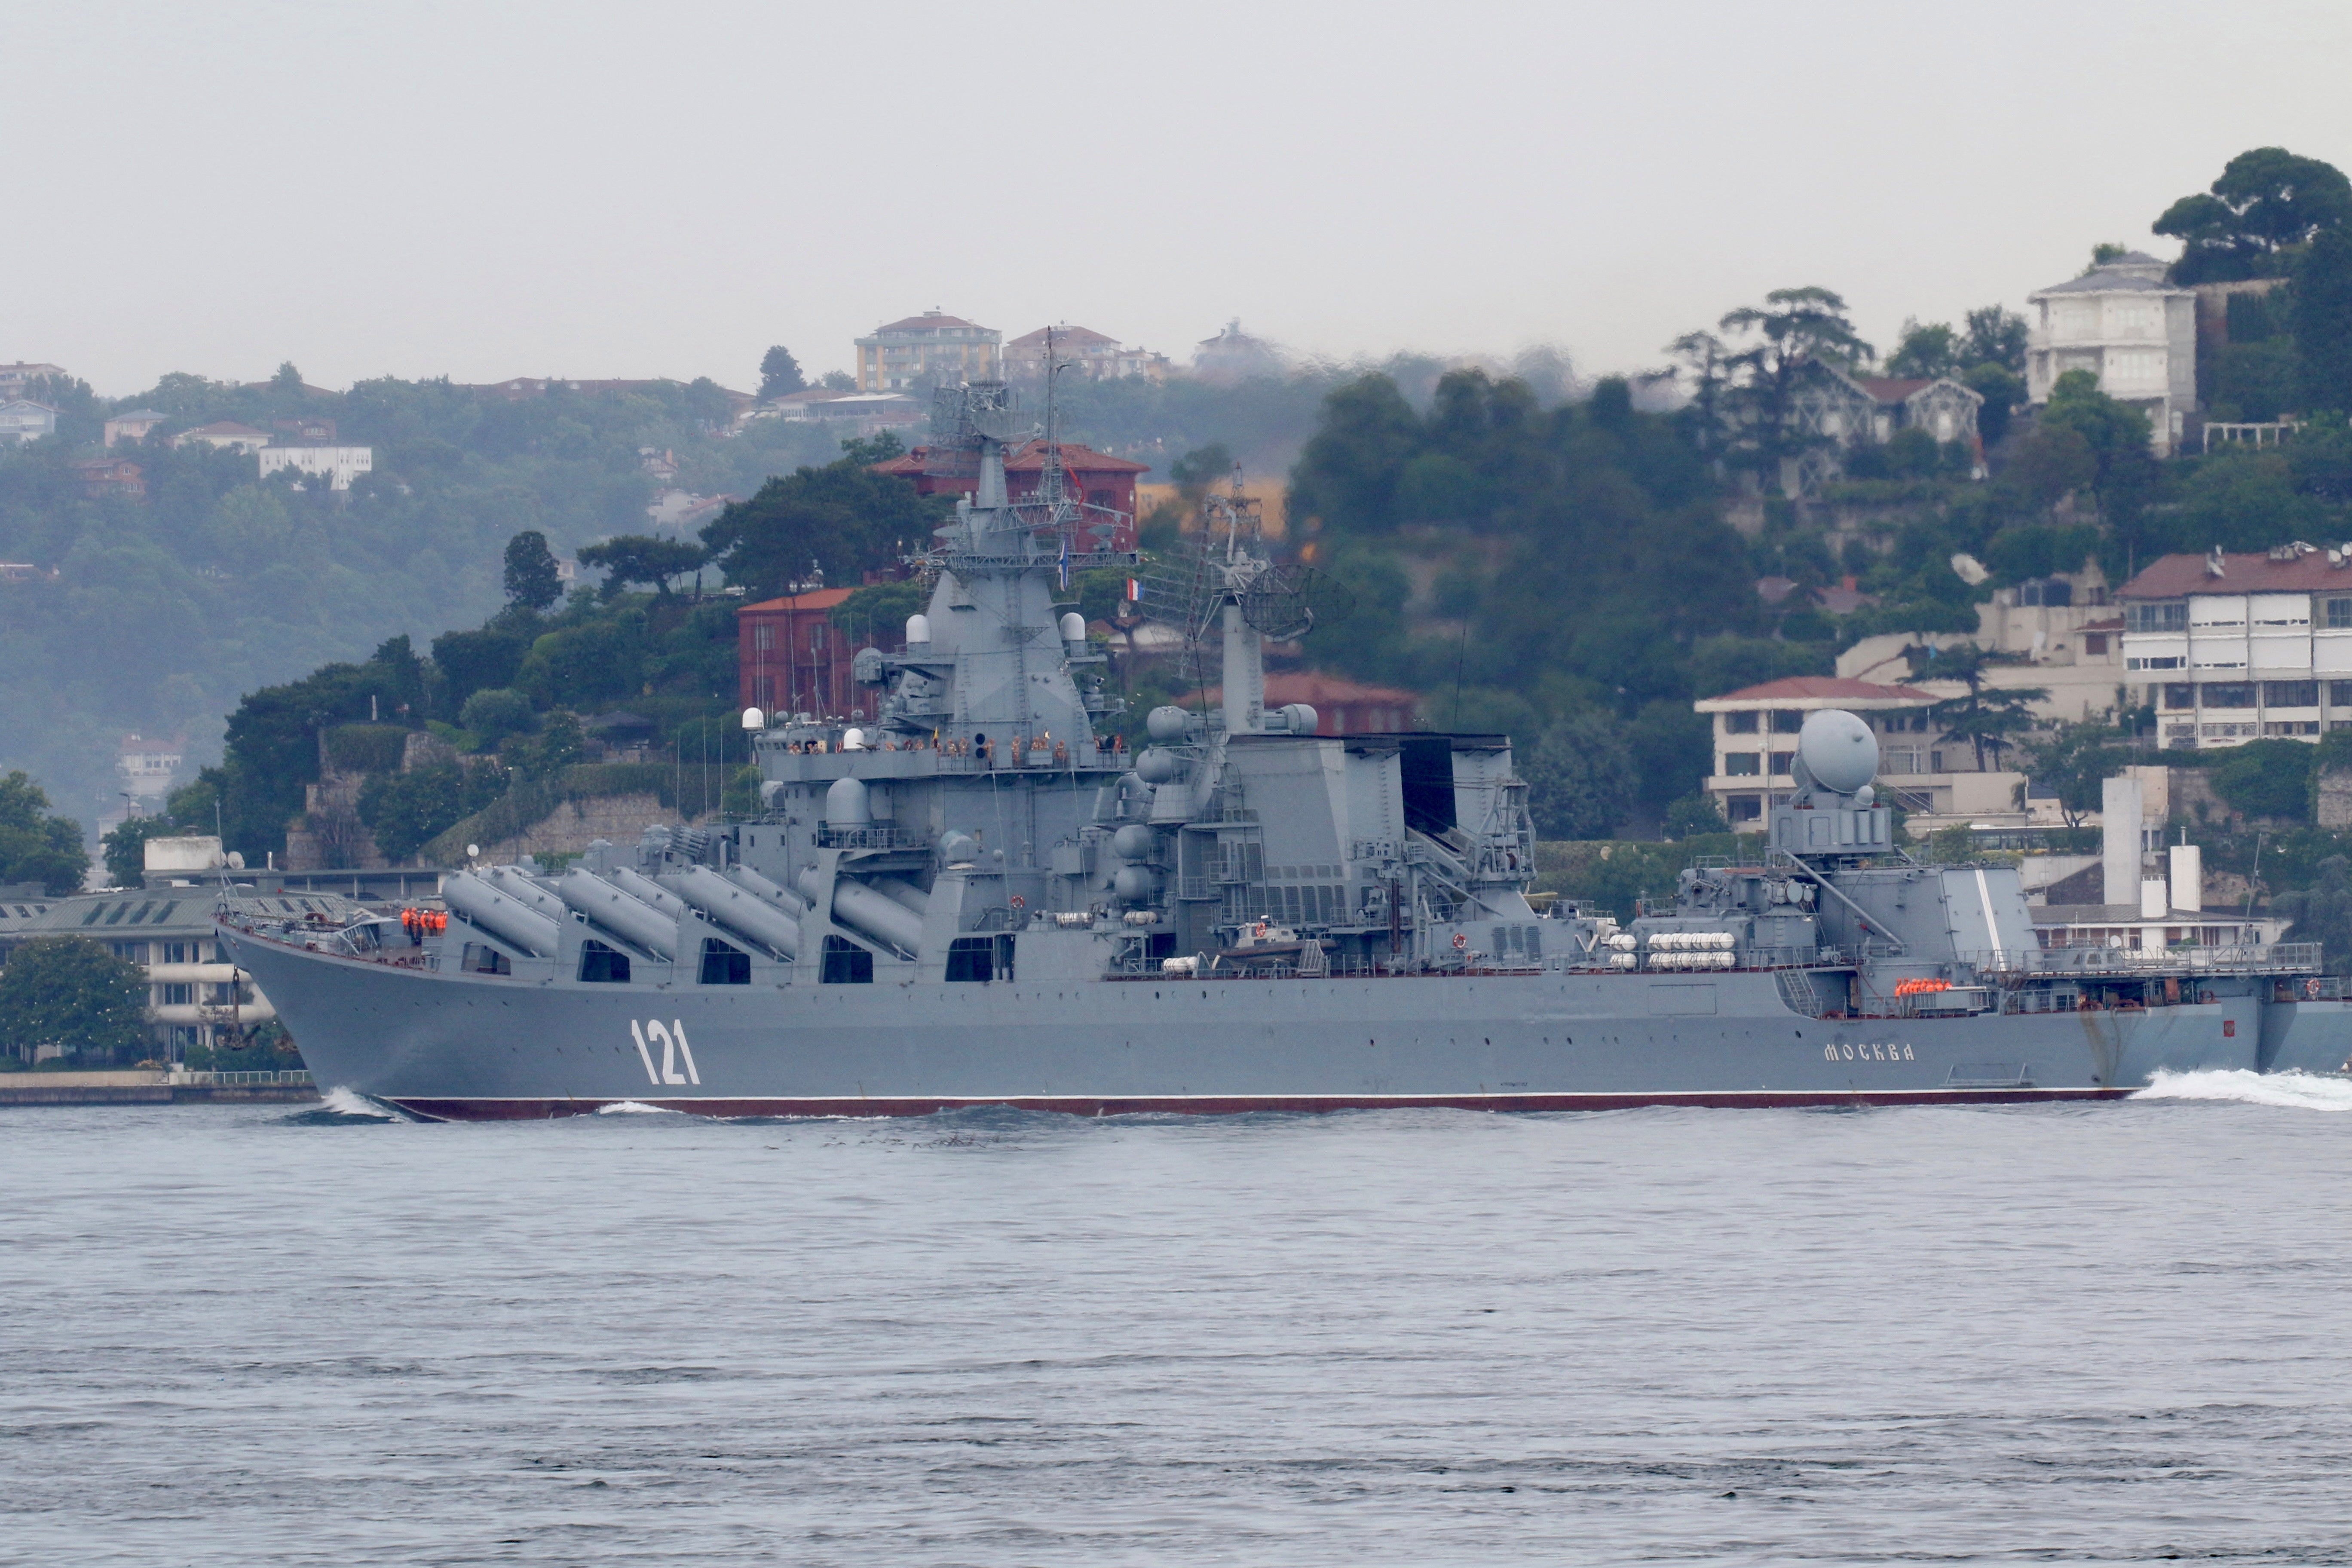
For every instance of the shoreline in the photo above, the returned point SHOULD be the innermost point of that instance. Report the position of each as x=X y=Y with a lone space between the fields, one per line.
x=137 y=1086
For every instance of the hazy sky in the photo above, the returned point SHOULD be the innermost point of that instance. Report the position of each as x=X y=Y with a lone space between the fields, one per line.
x=600 y=189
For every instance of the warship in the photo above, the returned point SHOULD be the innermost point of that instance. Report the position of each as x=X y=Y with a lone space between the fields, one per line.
x=979 y=897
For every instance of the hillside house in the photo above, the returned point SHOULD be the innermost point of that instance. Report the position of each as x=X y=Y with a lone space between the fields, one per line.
x=2128 y=327
x=791 y=658
x=1089 y=354
x=2232 y=648
x=133 y=426
x=102 y=477
x=928 y=350
x=22 y=420
x=224 y=435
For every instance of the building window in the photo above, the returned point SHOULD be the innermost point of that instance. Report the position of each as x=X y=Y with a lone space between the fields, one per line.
x=1746 y=808
x=1902 y=760
x=1780 y=762
x=2340 y=693
x=178 y=995
x=1742 y=765
x=136 y=951
x=2162 y=617
x=2177 y=695
x=2228 y=694
x=2095 y=643
x=2340 y=615
x=2290 y=694
x=764 y=636
x=1787 y=722
x=1739 y=723
x=2292 y=727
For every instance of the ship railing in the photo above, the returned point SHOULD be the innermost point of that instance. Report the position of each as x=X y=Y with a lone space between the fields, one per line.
x=285 y=1076
x=2261 y=958
x=864 y=838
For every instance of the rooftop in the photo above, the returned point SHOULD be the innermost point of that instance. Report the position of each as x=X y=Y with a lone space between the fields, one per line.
x=820 y=599
x=929 y=321
x=1026 y=459
x=1816 y=691
x=2175 y=576
x=1063 y=333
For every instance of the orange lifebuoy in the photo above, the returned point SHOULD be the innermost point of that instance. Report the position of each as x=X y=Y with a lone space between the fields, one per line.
x=1460 y=941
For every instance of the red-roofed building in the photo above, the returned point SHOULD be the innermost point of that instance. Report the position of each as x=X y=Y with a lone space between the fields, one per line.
x=930 y=350
x=791 y=658
x=1094 y=355
x=1755 y=730
x=1342 y=707
x=2234 y=648
x=1095 y=477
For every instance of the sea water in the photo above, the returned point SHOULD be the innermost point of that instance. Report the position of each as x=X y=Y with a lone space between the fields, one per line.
x=264 y=1335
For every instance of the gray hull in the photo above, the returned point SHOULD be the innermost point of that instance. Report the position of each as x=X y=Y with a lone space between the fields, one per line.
x=462 y=1046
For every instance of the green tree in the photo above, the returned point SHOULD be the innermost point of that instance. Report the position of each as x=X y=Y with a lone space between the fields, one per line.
x=2002 y=390
x=642 y=558
x=1987 y=717
x=2074 y=761
x=288 y=381
x=1996 y=336
x=1581 y=779
x=1693 y=815
x=877 y=612
x=708 y=402
x=71 y=991
x=2323 y=320
x=2116 y=436
x=125 y=848
x=532 y=580
x=2266 y=203
x=405 y=809
x=1929 y=351
x=36 y=847
x=494 y=713
x=836 y=522
x=780 y=373
x=1672 y=747
x=1791 y=333
x=2268 y=778
x=839 y=381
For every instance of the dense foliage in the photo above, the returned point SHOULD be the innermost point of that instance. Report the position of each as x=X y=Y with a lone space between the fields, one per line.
x=233 y=583
x=36 y=846
x=71 y=993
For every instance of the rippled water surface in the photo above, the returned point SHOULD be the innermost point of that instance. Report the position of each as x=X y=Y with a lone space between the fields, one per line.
x=254 y=1335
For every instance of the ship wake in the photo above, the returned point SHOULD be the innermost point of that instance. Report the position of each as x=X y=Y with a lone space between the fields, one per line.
x=342 y=1107
x=635 y=1107
x=2286 y=1090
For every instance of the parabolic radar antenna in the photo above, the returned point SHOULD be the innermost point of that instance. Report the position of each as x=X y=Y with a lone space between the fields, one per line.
x=1838 y=750
x=1285 y=602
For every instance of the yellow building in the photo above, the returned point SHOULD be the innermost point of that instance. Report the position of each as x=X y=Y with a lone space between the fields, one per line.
x=929 y=350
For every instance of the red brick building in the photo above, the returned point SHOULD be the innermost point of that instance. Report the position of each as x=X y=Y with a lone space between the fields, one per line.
x=103 y=477
x=791 y=658
x=1095 y=477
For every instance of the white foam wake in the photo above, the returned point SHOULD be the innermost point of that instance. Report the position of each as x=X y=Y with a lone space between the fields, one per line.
x=342 y=1101
x=2287 y=1090
x=634 y=1108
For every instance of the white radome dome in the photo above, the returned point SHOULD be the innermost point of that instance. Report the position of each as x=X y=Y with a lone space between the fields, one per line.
x=1838 y=750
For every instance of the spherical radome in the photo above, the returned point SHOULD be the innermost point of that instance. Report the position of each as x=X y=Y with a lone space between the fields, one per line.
x=1839 y=750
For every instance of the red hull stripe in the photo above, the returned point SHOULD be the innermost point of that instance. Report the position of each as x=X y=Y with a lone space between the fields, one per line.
x=1233 y=1105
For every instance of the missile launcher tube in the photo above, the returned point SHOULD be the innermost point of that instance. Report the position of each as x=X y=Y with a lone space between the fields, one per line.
x=608 y=906
x=501 y=916
x=862 y=908
x=776 y=893
x=645 y=890
x=512 y=881
x=737 y=909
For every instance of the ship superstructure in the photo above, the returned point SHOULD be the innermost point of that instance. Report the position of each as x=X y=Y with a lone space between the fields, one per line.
x=981 y=897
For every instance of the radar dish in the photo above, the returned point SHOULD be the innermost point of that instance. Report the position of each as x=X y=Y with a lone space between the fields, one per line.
x=1182 y=588
x=1838 y=750
x=1286 y=602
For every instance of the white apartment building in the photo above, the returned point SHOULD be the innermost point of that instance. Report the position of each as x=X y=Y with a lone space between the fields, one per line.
x=2231 y=649
x=2125 y=324
x=338 y=466
x=1756 y=733
x=2061 y=635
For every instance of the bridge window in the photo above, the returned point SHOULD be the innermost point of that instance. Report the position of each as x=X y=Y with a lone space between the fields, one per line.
x=846 y=963
x=972 y=959
x=599 y=963
x=723 y=964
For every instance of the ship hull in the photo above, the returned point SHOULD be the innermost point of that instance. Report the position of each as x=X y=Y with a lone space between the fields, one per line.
x=482 y=1048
